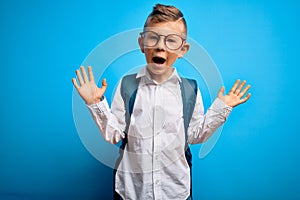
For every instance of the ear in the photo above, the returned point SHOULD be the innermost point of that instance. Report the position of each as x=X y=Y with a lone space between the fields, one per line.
x=184 y=49
x=141 y=43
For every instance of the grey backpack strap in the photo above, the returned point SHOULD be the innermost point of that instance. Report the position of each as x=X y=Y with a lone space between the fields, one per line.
x=189 y=90
x=189 y=94
x=129 y=86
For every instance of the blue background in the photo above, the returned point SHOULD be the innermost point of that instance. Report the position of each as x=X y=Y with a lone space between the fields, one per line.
x=43 y=42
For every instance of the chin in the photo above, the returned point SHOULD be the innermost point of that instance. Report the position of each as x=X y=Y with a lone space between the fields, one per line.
x=159 y=69
x=157 y=66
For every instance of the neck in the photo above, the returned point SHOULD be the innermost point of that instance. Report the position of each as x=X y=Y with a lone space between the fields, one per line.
x=159 y=78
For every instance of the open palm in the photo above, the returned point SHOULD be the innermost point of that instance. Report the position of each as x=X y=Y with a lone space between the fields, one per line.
x=235 y=95
x=87 y=88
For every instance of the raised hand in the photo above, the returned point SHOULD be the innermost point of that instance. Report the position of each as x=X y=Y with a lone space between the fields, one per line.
x=88 y=90
x=235 y=95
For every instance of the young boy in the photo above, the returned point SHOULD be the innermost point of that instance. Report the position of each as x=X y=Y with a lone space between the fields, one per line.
x=157 y=120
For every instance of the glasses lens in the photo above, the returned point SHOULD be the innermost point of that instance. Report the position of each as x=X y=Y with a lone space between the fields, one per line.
x=150 y=38
x=173 y=41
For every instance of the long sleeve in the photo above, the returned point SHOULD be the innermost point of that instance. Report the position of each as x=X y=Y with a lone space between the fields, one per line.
x=202 y=126
x=111 y=122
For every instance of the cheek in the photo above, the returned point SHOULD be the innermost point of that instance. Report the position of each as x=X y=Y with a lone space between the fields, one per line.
x=148 y=54
x=172 y=57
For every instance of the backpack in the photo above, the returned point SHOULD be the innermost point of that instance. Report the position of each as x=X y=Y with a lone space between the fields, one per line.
x=129 y=87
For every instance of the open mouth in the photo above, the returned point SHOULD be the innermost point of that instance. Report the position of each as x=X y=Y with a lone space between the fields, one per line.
x=158 y=60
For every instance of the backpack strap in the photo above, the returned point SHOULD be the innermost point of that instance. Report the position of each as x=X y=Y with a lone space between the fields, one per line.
x=189 y=90
x=188 y=93
x=129 y=88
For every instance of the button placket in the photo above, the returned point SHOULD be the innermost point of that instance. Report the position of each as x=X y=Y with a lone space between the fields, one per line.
x=157 y=116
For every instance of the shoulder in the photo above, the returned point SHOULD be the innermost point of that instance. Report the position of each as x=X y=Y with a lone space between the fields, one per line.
x=188 y=81
x=129 y=79
x=130 y=76
x=129 y=84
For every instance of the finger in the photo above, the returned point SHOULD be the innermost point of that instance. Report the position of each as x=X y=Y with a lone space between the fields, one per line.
x=85 y=77
x=104 y=83
x=79 y=77
x=246 y=98
x=244 y=91
x=240 y=88
x=103 y=88
x=90 y=71
x=75 y=83
x=232 y=90
x=221 y=91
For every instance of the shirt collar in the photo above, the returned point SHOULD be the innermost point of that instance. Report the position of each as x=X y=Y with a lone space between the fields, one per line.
x=144 y=73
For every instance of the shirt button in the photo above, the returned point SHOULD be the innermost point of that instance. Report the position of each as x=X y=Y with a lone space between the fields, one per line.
x=157 y=182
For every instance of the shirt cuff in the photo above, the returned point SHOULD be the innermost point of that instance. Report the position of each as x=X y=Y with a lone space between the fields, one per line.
x=100 y=107
x=221 y=107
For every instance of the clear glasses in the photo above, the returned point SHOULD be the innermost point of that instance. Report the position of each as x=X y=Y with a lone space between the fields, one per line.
x=172 y=41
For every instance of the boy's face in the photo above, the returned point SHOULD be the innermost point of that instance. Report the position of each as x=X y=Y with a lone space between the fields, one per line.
x=162 y=55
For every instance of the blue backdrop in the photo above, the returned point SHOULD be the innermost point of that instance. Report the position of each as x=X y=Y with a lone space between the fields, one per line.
x=43 y=42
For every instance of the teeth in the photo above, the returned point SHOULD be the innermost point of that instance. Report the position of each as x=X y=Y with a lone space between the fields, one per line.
x=159 y=60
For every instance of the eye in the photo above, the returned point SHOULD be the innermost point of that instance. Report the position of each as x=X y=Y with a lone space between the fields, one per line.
x=171 y=40
x=153 y=37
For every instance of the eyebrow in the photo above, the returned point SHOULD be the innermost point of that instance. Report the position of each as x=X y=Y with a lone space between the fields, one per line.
x=154 y=29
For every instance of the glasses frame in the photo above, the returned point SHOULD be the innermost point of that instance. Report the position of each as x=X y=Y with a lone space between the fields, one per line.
x=142 y=34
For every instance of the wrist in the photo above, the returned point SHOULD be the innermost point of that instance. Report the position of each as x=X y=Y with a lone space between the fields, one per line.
x=94 y=101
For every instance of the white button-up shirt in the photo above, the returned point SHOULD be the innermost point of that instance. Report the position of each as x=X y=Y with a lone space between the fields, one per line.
x=153 y=164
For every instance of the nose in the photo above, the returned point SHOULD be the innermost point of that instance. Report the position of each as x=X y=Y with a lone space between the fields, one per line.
x=161 y=43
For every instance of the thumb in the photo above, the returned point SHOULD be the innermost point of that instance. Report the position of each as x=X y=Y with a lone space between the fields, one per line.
x=221 y=91
x=103 y=87
x=104 y=83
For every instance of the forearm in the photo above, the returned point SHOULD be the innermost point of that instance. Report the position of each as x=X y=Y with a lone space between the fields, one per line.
x=106 y=121
x=203 y=126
